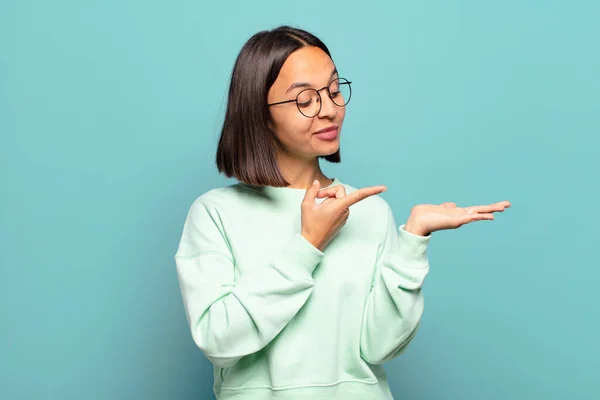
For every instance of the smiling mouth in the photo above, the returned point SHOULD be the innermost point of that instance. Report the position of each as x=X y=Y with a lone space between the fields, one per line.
x=329 y=133
x=327 y=130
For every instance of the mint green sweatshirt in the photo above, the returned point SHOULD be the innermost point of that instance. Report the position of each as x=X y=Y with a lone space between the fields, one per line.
x=279 y=318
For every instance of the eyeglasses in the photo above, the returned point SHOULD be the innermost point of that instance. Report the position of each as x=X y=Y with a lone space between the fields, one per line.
x=309 y=101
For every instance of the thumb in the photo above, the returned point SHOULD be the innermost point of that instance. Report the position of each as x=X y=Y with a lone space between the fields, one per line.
x=312 y=191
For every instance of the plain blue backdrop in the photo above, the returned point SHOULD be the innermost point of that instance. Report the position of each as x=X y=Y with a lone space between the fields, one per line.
x=109 y=119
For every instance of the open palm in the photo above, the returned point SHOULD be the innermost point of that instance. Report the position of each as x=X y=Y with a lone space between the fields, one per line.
x=430 y=217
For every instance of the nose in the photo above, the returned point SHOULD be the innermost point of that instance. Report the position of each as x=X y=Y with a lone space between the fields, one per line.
x=328 y=108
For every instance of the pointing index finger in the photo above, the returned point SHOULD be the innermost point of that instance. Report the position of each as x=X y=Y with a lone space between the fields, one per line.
x=361 y=194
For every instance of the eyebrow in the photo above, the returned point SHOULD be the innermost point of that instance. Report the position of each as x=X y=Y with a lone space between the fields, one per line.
x=304 y=84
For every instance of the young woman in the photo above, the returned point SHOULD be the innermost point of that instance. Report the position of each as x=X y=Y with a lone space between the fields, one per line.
x=297 y=285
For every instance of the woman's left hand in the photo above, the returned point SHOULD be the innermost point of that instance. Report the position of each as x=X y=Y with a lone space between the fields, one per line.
x=427 y=218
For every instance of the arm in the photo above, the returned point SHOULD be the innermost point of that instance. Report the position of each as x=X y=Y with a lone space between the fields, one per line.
x=395 y=304
x=232 y=318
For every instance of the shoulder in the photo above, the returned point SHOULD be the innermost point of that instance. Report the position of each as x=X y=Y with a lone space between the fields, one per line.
x=217 y=199
x=371 y=214
x=374 y=203
x=224 y=195
x=369 y=219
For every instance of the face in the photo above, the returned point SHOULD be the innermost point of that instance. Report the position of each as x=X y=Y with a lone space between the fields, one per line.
x=308 y=67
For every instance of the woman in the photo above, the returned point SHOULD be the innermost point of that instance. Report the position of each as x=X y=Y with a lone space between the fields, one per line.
x=296 y=285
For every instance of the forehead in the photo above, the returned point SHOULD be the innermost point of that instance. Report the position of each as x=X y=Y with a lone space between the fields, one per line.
x=307 y=64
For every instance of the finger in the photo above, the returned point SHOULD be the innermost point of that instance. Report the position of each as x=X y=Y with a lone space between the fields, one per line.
x=360 y=194
x=328 y=200
x=503 y=204
x=476 y=217
x=500 y=204
x=490 y=208
x=337 y=191
x=481 y=217
x=311 y=192
x=497 y=207
x=338 y=194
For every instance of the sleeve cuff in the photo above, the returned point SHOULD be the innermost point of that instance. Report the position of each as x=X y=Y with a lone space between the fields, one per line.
x=413 y=248
x=301 y=253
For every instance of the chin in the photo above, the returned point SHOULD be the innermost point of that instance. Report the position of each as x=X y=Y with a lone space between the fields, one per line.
x=329 y=149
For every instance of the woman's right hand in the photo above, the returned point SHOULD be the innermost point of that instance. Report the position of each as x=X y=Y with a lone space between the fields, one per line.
x=321 y=222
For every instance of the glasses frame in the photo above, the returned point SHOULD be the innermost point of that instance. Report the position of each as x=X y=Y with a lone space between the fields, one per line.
x=345 y=82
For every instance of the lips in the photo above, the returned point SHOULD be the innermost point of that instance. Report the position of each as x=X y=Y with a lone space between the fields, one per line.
x=329 y=133
x=328 y=129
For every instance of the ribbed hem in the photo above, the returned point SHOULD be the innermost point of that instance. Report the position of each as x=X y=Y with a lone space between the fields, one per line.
x=347 y=390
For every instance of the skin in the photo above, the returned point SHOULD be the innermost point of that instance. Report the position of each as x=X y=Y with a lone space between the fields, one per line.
x=297 y=159
x=299 y=164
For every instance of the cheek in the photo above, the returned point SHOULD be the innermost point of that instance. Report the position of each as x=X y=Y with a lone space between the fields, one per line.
x=341 y=114
x=291 y=128
x=302 y=125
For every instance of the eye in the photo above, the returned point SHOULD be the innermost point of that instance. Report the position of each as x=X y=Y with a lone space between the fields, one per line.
x=306 y=98
x=305 y=103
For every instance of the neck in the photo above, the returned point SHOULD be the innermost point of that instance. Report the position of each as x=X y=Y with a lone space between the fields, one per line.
x=301 y=173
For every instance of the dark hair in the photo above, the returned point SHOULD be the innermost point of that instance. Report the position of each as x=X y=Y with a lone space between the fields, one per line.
x=247 y=145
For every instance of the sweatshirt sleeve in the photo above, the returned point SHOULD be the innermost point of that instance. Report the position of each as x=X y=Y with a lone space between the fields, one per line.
x=395 y=303
x=231 y=316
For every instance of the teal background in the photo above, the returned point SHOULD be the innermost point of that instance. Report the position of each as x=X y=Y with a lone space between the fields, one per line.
x=109 y=118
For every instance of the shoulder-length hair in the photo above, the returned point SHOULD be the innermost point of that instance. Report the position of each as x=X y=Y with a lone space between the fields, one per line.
x=247 y=146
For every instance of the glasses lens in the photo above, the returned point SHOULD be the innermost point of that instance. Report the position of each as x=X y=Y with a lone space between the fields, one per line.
x=308 y=102
x=340 y=92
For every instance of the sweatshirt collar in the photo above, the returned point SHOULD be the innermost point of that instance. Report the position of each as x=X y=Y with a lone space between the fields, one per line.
x=285 y=193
